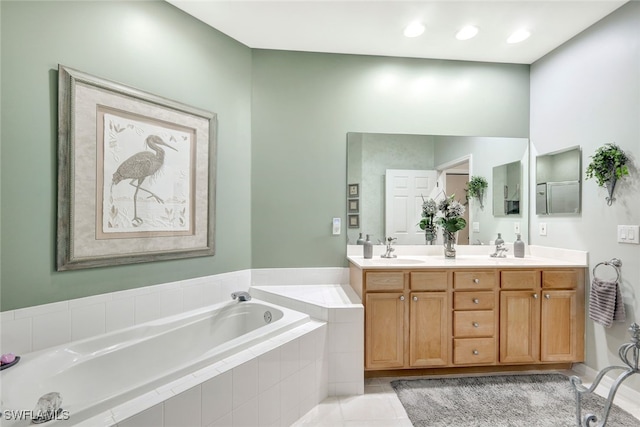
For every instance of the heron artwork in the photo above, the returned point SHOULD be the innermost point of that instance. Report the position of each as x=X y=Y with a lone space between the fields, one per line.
x=139 y=167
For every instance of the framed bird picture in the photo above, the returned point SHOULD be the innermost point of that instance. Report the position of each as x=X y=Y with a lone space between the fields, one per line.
x=136 y=175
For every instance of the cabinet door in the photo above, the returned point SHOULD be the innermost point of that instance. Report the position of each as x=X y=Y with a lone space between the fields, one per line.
x=559 y=340
x=519 y=326
x=384 y=337
x=428 y=329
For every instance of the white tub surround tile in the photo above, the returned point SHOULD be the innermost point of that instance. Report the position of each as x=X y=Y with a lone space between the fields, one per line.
x=216 y=397
x=38 y=327
x=184 y=409
x=245 y=382
x=341 y=308
x=153 y=416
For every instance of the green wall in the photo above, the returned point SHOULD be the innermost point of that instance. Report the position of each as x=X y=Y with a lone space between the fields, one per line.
x=305 y=103
x=151 y=46
x=283 y=119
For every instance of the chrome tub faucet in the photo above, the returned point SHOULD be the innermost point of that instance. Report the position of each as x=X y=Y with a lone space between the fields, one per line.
x=241 y=296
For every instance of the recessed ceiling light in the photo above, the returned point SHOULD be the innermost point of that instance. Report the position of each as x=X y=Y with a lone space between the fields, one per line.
x=467 y=32
x=518 y=36
x=414 y=29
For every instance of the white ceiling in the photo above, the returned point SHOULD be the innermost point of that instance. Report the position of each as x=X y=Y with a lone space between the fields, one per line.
x=376 y=27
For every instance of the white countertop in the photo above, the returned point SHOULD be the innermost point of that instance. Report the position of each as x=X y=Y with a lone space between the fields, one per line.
x=416 y=257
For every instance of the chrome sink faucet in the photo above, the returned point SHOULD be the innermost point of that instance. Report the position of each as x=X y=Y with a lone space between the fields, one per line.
x=500 y=251
x=388 y=253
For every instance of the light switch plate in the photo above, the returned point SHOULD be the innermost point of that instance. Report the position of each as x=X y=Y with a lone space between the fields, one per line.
x=476 y=227
x=628 y=234
x=337 y=223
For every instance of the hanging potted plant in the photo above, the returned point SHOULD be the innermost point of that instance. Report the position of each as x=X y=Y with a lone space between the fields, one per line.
x=476 y=187
x=607 y=166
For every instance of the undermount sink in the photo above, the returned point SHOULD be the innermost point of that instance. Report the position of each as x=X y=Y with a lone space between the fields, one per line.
x=399 y=261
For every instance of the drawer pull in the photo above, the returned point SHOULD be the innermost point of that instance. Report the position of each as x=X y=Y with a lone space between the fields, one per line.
x=475 y=352
x=535 y=296
x=402 y=298
x=476 y=301
x=547 y=296
x=415 y=298
x=475 y=324
x=476 y=280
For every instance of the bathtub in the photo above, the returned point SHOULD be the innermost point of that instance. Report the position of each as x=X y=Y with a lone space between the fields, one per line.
x=99 y=373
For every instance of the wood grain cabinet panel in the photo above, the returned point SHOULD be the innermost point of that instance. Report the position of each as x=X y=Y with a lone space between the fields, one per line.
x=384 y=330
x=429 y=280
x=562 y=279
x=474 y=351
x=520 y=279
x=384 y=281
x=519 y=326
x=482 y=300
x=560 y=340
x=469 y=324
x=475 y=280
x=428 y=331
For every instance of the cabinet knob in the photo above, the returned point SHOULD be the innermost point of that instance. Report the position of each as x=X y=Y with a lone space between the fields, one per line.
x=476 y=301
x=475 y=352
x=547 y=296
x=535 y=296
x=401 y=297
x=415 y=298
x=476 y=280
x=475 y=324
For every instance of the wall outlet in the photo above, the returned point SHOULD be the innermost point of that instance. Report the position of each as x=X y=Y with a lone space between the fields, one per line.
x=628 y=234
x=542 y=228
x=516 y=227
x=476 y=227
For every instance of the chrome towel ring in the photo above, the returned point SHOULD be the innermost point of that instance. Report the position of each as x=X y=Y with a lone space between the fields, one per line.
x=613 y=262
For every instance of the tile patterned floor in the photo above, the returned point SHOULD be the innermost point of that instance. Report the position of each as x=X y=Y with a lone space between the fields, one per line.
x=379 y=407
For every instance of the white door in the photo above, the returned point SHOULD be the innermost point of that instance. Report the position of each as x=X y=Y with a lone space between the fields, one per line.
x=404 y=190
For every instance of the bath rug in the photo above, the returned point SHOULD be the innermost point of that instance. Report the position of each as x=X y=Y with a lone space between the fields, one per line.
x=541 y=400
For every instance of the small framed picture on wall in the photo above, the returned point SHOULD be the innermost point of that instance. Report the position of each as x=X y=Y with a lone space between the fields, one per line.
x=354 y=221
x=354 y=190
x=354 y=206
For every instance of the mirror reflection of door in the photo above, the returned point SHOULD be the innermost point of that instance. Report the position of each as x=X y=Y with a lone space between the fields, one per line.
x=405 y=191
x=456 y=183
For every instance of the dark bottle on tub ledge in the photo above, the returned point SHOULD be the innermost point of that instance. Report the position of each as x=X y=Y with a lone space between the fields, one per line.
x=368 y=248
x=518 y=248
x=360 y=240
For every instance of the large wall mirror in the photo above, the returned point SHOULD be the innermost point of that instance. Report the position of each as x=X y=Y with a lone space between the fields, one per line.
x=558 y=182
x=435 y=166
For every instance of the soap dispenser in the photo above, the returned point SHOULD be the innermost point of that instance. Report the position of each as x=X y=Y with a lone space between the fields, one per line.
x=360 y=240
x=518 y=248
x=368 y=248
x=499 y=240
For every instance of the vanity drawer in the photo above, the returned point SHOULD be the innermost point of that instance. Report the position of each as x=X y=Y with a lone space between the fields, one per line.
x=560 y=279
x=520 y=279
x=474 y=351
x=483 y=300
x=384 y=281
x=471 y=324
x=475 y=279
x=429 y=281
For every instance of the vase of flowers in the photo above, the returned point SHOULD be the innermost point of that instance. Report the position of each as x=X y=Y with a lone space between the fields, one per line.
x=451 y=220
x=427 y=223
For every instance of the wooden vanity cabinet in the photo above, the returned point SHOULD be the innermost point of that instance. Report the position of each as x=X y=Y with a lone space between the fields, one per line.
x=446 y=317
x=406 y=319
x=542 y=316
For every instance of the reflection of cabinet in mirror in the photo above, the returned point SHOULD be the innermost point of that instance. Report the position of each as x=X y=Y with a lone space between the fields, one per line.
x=507 y=180
x=558 y=182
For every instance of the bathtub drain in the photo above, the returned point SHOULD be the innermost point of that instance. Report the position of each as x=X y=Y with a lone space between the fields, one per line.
x=267 y=316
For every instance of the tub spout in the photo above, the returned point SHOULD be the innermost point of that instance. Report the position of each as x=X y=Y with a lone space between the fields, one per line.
x=47 y=408
x=241 y=296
